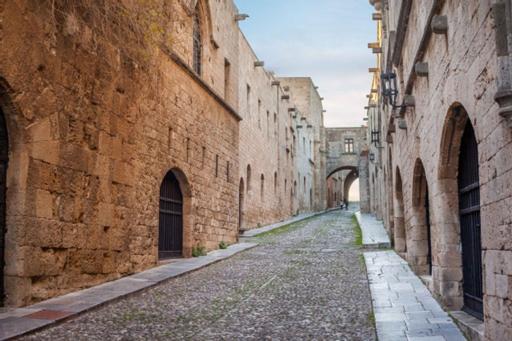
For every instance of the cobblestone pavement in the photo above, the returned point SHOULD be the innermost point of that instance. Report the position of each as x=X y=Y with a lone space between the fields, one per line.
x=306 y=281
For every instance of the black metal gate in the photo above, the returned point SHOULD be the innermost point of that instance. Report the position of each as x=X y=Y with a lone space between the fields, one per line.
x=469 y=206
x=4 y=151
x=429 y=234
x=170 y=239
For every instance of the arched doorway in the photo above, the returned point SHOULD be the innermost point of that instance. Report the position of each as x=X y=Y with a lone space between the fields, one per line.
x=460 y=227
x=400 y=236
x=4 y=153
x=470 y=229
x=240 y=205
x=170 y=237
x=420 y=252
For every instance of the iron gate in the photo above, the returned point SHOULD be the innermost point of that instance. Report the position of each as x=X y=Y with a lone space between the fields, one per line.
x=170 y=238
x=469 y=208
x=429 y=234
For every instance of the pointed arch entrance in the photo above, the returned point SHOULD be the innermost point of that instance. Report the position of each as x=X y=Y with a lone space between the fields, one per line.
x=4 y=153
x=470 y=228
x=420 y=252
x=241 y=205
x=400 y=236
x=170 y=236
x=460 y=229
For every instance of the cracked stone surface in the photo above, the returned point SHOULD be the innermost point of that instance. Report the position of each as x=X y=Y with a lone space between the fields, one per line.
x=305 y=281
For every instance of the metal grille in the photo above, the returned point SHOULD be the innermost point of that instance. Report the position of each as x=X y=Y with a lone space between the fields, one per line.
x=375 y=136
x=197 y=54
x=429 y=240
x=4 y=149
x=469 y=205
x=170 y=239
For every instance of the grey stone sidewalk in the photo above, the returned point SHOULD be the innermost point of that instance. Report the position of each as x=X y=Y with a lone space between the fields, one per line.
x=374 y=233
x=16 y=322
x=404 y=308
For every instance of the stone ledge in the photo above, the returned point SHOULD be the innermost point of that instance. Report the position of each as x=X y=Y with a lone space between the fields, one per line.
x=472 y=327
x=21 y=321
x=374 y=233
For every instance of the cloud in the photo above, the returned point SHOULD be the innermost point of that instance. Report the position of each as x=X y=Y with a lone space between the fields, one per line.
x=324 y=40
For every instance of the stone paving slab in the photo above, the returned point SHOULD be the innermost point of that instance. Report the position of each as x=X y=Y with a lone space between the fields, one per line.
x=374 y=233
x=404 y=309
x=260 y=230
x=17 y=322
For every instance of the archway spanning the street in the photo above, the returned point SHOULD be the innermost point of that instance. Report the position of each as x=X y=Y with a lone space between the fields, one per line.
x=339 y=183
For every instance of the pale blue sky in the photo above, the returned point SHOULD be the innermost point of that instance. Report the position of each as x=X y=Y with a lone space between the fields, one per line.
x=324 y=39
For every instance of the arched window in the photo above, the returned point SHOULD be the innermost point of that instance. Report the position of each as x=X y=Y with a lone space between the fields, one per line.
x=197 y=41
x=262 y=189
x=248 y=178
x=275 y=182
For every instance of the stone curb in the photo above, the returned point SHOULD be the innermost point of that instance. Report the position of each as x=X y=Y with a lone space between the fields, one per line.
x=267 y=228
x=374 y=233
x=17 y=322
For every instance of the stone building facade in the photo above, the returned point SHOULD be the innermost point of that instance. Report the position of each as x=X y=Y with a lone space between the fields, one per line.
x=346 y=153
x=123 y=139
x=440 y=157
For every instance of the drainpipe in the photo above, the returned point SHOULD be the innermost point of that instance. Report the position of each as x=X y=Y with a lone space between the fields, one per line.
x=502 y=11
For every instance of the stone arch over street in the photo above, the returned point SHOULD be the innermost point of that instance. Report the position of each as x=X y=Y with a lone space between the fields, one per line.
x=345 y=147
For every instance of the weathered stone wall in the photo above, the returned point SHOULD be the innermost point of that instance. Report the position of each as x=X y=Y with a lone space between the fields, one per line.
x=98 y=110
x=306 y=99
x=262 y=173
x=461 y=82
x=101 y=100
x=337 y=157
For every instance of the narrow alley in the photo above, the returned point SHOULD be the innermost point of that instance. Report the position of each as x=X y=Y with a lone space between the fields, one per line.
x=306 y=281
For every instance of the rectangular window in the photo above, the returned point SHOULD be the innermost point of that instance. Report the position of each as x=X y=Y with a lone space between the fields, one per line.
x=203 y=157
x=216 y=165
x=248 y=109
x=349 y=145
x=227 y=75
x=227 y=172
x=259 y=113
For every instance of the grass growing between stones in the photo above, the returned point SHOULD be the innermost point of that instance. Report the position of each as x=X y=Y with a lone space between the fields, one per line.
x=357 y=232
x=284 y=229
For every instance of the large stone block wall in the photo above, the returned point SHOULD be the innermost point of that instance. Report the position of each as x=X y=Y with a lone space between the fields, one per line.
x=101 y=101
x=462 y=72
x=97 y=114
x=306 y=99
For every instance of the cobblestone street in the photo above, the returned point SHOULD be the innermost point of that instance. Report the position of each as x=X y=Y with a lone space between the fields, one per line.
x=304 y=281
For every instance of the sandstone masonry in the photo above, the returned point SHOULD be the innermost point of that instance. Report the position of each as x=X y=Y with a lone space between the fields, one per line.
x=441 y=169
x=103 y=100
